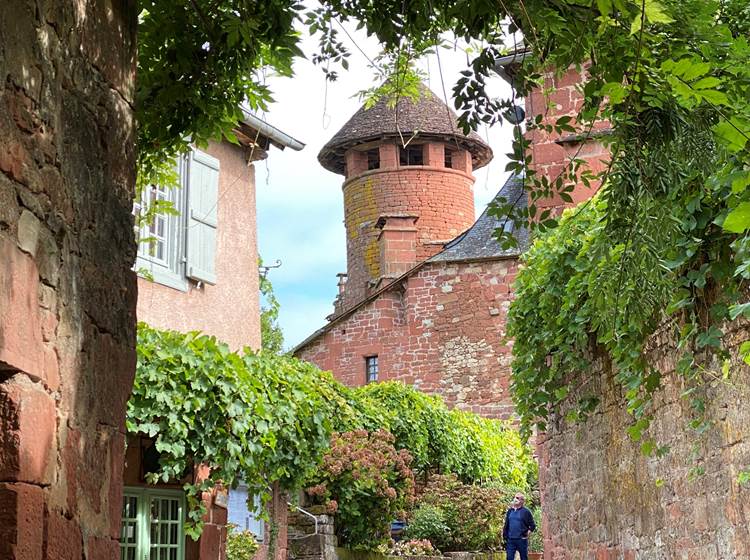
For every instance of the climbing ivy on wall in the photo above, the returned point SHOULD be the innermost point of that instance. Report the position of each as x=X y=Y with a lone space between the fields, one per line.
x=265 y=418
x=667 y=240
x=256 y=417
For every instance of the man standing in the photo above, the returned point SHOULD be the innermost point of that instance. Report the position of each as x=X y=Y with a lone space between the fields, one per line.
x=519 y=523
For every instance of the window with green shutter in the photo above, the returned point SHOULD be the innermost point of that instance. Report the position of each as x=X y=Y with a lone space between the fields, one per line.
x=152 y=521
x=179 y=247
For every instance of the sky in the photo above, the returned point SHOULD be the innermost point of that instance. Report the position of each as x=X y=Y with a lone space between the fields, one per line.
x=300 y=204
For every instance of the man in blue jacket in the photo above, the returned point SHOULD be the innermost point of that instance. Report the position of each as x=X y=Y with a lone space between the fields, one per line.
x=519 y=523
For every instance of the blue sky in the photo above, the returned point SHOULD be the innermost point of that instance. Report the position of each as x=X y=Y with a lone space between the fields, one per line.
x=300 y=204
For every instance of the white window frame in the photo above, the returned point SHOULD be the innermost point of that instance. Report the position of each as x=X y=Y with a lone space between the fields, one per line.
x=170 y=270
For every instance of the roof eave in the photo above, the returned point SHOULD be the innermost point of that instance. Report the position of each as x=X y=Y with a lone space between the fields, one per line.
x=277 y=137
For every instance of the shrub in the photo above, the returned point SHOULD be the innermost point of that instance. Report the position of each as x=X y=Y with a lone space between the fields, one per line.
x=428 y=523
x=474 y=514
x=442 y=440
x=365 y=482
x=414 y=547
x=241 y=545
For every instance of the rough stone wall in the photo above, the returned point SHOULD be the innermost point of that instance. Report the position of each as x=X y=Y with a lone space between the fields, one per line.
x=67 y=296
x=440 y=198
x=229 y=310
x=441 y=329
x=307 y=544
x=604 y=499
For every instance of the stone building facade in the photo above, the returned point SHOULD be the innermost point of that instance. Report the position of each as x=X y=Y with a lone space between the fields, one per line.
x=67 y=291
x=603 y=498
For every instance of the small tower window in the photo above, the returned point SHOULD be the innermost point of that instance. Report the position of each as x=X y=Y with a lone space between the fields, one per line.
x=373 y=159
x=371 y=369
x=449 y=158
x=411 y=155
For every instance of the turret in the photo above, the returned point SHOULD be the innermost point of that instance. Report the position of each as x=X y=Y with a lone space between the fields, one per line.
x=408 y=187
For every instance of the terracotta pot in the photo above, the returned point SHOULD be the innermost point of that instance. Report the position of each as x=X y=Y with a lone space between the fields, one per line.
x=536 y=555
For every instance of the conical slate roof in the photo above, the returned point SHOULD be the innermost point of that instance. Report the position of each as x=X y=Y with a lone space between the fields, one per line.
x=427 y=117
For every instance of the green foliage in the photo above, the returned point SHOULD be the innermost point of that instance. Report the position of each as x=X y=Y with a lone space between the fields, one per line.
x=474 y=514
x=257 y=417
x=267 y=418
x=536 y=539
x=442 y=440
x=428 y=523
x=365 y=482
x=241 y=545
x=198 y=61
x=271 y=335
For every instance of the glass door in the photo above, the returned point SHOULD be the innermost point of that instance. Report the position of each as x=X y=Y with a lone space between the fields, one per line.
x=152 y=525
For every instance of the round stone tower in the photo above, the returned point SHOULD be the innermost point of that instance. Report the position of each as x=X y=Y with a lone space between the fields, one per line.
x=408 y=188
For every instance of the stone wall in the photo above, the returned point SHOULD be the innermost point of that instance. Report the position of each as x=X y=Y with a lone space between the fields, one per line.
x=311 y=539
x=441 y=330
x=67 y=296
x=602 y=498
x=551 y=152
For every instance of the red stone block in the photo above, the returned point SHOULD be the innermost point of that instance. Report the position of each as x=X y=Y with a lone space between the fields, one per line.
x=21 y=346
x=210 y=541
x=21 y=521
x=28 y=425
x=64 y=541
x=102 y=548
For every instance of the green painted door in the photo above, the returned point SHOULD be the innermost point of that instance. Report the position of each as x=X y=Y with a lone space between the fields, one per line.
x=152 y=521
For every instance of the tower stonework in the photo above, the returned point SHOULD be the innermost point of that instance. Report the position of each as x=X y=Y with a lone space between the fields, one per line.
x=408 y=188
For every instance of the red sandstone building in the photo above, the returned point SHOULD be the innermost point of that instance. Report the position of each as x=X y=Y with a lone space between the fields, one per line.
x=203 y=265
x=427 y=288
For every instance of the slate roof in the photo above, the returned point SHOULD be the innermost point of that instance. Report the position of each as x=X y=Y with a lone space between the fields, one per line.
x=427 y=116
x=478 y=242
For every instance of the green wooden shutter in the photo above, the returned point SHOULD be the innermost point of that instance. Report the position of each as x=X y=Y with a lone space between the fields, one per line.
x=203 y=202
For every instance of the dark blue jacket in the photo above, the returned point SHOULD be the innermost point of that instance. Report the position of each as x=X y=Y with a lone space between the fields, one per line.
x=526 y=518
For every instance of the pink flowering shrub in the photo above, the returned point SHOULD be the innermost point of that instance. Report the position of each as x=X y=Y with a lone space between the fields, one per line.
x=414 y=547
x=365 y=482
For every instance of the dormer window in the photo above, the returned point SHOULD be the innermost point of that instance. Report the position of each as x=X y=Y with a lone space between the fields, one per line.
x=373 y=159
x=411 y=155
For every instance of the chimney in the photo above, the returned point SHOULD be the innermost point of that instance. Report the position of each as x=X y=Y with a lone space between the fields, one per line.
x=552 y=152
x=398 y=244
x=342 y=276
